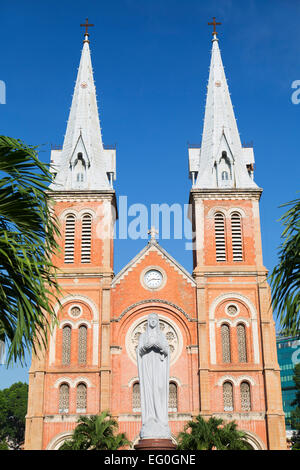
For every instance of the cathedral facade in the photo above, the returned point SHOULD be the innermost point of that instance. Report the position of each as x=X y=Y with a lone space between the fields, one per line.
x=217 y=319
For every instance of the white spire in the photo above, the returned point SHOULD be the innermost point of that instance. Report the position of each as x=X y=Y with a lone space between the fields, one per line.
x=222 y=162
x=83 y=163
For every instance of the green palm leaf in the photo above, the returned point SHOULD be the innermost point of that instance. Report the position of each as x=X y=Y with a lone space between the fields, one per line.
x=28 y=238
x=285 y=277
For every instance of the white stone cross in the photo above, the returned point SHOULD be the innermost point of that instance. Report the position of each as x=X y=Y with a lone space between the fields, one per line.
x=153 y=232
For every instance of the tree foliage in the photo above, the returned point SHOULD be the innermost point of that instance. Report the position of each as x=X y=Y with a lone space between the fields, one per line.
x=295 y=415
x=28 y=234
x=285 y=277
x=13 y=408
x=98 y=432
x=211 y=434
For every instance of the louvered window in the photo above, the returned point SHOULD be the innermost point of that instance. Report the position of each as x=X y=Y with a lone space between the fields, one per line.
x=82 y=344
x=69 y=239
x=136 y=397
x=86 y=237
x=64 y=398
x=228 y=396
x=237 y=242
x=172 y=397
x=220 y=237
x=225 y=337
x=81 y=398
x=66 y=345
x=242 y=345
x=245 y=396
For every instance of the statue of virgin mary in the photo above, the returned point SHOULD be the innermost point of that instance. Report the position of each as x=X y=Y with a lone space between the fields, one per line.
x=153 y=367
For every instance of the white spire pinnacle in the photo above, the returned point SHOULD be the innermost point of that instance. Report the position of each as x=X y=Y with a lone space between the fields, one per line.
x=83 y=163
x=222 y=162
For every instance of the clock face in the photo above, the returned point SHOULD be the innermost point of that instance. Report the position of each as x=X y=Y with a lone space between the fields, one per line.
x=153 y=279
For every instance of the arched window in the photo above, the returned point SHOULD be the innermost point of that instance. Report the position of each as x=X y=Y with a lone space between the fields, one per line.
x=66 y=345
x=224 y=175
x=136 y=397
x=86 y=238
x=64 y=398
x=242 y=344
x=81 y=398
x=82 y=344
x=227 y=396
x=225 y=338
x=173 y=397
x=80 y=170
x=220 y=237
x=69 y=238
x=245 y=396
x=236 y=233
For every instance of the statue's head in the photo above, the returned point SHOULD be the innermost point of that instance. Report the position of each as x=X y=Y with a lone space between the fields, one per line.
x=153 y=320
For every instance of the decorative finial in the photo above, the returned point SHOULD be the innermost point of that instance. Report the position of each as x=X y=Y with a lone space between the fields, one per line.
x=214 y=24
x=152 y=233
x=86 y=25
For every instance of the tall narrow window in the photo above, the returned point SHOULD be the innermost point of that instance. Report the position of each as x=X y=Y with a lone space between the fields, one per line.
x=82 y=344
x=225 y=337
x=172 y=397
x=136 y=397
x=69 y=238
x=64 y=398
x=81 y=398
x=66 y=345
x=228 y=396
x=236 y=232
x=220 y=237
x=86 y=237
x=245 y=396
x=242 y=345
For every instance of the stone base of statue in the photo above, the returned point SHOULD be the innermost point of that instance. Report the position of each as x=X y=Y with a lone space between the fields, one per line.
x=155 y=444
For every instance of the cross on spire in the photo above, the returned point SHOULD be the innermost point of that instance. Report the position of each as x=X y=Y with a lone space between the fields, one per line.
x=214 y=24
x=86 y=25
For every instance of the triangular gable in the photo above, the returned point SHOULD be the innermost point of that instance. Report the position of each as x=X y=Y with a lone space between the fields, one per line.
x=153 y=246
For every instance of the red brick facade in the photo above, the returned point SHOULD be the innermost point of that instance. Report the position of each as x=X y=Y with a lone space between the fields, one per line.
x=192 y=308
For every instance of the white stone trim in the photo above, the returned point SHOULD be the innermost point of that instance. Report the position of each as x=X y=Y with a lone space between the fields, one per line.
x=156 y=268
x=214 y=210
x=87 y=211
x=152 y=246
x=133 y=381
x=235 y=380
x=95 y=323
x=58 y=440
x=67 y=212
x=231 y=322
x=70 y=308
x=73 y=383
x=213 y=323
x=239 y=210
x=144 y=318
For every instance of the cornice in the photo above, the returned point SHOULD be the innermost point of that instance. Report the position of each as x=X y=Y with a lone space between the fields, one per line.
x=81 y=194
x=225 y=193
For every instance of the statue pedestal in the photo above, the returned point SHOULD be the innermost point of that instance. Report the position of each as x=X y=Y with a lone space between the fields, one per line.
x=155 y=444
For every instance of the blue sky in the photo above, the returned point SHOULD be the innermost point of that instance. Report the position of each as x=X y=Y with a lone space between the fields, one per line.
x=151 y=60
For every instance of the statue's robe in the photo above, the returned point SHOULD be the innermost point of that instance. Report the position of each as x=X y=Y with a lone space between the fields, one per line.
x=153 y=366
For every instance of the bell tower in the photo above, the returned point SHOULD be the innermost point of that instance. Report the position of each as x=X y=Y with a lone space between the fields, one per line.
x=73 y=376
x=239 y=376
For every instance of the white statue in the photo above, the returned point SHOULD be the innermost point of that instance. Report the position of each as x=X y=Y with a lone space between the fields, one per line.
x=153 y=367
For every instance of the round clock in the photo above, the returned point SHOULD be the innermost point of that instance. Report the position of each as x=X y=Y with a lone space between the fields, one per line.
x=153 y=279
